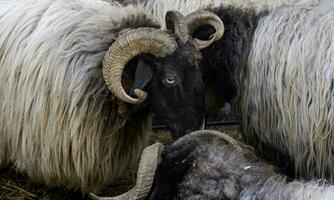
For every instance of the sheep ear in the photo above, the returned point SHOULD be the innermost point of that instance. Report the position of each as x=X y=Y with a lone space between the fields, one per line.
x=143 y=76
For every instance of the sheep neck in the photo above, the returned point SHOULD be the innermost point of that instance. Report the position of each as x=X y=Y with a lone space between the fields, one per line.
x=225 y=60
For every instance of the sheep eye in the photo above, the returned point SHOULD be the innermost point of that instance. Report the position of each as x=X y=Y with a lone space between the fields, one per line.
x=169 y=81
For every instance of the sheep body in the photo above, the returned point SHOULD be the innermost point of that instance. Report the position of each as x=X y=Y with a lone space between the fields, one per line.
x=158 y=8
x=58 y=120
x=231 y=170
x=287 y=91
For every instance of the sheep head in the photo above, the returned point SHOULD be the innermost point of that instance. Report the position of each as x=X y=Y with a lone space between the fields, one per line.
x=167 y=77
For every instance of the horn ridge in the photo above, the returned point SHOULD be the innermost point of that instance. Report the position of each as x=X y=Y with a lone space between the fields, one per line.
x=127 y=46
x=175 y=21
x=199 y=18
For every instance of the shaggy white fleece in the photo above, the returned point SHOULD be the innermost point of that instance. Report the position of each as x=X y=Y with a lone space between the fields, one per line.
x=58 y=121
x=158 y=8
x=288 y=90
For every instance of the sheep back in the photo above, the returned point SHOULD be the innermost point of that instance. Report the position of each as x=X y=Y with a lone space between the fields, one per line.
x=287 y=89
x=159 y=8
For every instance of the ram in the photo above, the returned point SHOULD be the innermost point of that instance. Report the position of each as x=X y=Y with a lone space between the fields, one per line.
x=79 y=81
x=213 y=165
x=275 y=63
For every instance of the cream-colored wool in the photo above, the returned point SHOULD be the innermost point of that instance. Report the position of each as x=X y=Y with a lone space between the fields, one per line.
x=288 y=94
x=158 y=8
x=287 y=88
x=58 y=120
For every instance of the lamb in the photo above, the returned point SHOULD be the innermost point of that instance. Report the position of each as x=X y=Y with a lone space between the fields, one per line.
x=79 y=81
x=274 y=63
x=212 y=165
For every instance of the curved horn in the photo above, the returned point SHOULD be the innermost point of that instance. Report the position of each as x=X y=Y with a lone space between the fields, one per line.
x=127 y=46
x=199 y=18
x=175 y=21
x=147 y=165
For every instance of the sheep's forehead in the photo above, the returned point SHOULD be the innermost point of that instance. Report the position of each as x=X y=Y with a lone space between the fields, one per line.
x=184 y=54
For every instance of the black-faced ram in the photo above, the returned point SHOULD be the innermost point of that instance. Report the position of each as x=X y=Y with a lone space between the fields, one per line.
x=275 y=63
x=59 y=122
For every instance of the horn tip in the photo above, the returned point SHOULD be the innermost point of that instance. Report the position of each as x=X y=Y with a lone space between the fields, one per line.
x=142 y=95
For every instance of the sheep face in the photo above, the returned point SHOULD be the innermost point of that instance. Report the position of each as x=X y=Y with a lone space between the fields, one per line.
x=167 y=77
x=175 y=88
